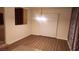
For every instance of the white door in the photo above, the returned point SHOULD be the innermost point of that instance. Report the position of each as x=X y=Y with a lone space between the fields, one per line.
x=45 y=28
x=49 y=27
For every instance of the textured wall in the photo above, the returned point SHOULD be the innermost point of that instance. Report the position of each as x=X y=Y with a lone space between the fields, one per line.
x=14 y=32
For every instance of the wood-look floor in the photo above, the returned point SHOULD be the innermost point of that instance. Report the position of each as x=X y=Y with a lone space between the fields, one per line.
x=39 y=43
x=2 y=46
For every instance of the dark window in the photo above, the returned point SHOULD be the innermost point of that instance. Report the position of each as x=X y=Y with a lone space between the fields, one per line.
x=18 y=16
x=1 y=19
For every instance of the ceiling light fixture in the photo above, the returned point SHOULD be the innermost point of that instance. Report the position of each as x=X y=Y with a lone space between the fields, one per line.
x=41 y=17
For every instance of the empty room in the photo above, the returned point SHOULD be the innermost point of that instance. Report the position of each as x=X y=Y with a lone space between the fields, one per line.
x=39 y=29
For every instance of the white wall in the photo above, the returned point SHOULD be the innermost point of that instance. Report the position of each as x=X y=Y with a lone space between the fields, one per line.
x=63 y=22
x=14 y=32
